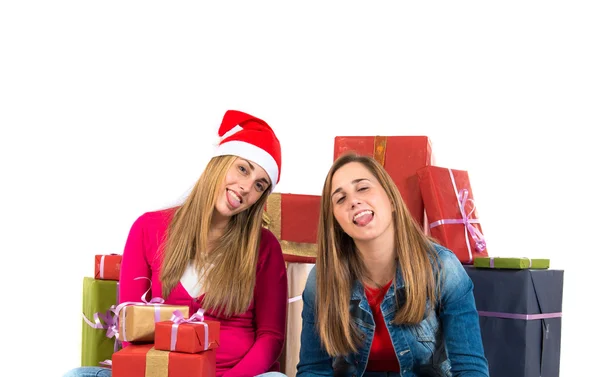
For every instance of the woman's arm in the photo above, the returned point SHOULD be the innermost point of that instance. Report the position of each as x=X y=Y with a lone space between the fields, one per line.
x=134 y=263
x=314 y=361
x=270 y=310
x=460 y=321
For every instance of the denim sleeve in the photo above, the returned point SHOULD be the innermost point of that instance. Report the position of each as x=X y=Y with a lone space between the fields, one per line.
x=314 y=361
x=459 y=319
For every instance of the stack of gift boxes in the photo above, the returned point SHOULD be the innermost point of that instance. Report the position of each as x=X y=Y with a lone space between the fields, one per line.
x=519 y=299
x=162 y=339
x=165 y=341
x=100 y=296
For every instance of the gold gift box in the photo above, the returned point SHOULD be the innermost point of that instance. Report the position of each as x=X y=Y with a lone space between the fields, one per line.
x=136 y=322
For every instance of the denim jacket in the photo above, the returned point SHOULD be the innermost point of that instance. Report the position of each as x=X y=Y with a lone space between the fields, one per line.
x=446 y=343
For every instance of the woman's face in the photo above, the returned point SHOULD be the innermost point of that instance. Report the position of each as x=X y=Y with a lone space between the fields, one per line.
x=244 y=184
x=360 y=204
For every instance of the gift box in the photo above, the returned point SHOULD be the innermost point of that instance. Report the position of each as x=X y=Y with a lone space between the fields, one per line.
x=294 y=220
x=193 y=335
x=146 y=361
x=107 y=267
x=98 y=341
x=451 y=211
x=514 y=263
x=520 y=319
x=401 y=156
x=297 y=274
x=137 y=321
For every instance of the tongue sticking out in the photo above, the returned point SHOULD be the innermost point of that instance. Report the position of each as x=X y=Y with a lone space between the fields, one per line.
x=232 y=199
x=363 y=220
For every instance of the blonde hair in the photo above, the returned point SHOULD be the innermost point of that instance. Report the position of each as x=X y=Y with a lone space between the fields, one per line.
x=339 y=264
x=230 y=280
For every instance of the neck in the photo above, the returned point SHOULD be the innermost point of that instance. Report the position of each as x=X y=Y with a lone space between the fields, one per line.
x=379 y=257
x=217 y=228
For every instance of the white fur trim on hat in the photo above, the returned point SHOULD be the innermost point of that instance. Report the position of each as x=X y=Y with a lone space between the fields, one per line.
x=253 y=153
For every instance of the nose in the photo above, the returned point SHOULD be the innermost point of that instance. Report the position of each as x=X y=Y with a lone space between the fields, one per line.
x=354 y=201
x=244 y=185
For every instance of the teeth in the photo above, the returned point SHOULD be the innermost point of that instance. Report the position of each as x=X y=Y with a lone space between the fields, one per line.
x=361 y=214
x=234 y=195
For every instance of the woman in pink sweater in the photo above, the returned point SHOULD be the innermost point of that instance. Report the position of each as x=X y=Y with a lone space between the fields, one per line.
x=213 y=253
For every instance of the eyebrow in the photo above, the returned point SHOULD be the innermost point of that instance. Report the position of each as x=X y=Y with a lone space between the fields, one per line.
x=252 y=168
x=353 y=182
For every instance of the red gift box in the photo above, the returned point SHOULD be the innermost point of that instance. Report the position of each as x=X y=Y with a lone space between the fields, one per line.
x=107 y=267
x=189 y=337
x=145 y=361
x=451 y=211
x=294 y=220
x=401 y=156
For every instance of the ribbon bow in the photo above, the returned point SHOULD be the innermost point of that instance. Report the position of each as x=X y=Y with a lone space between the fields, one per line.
x=155 y=301
x=110 y=322
x=476 y=235
x=463 y=199
x=197 y=318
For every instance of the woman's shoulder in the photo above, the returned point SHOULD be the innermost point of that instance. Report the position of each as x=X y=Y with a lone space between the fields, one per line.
x=155 y=219
x=449 y=263
x=442 y=252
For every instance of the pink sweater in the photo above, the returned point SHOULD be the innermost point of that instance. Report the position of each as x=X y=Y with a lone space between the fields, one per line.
x=250 y=343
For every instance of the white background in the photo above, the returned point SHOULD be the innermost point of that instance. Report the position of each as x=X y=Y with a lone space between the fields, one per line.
x=110 y=109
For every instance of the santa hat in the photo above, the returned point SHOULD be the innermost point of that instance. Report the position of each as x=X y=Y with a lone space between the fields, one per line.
x=248 y=137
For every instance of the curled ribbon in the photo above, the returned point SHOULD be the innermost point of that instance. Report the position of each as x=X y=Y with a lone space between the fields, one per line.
x=110 y=319
x=155 y=301
x=463 y=199
x=196 y=318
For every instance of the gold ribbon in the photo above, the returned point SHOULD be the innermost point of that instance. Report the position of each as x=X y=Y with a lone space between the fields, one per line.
x=157 y=363
x=379 y=148
x=272 y=221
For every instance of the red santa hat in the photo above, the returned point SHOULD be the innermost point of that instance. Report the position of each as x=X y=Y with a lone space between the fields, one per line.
x=248 y=137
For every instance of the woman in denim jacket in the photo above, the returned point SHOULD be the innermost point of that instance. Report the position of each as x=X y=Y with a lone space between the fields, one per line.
x=383 y=299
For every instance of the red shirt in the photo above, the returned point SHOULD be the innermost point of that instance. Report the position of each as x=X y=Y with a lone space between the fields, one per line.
x=382 y=356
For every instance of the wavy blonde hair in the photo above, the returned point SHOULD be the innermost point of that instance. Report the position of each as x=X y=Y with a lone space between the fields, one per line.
x=339 y=264
x=230 y=280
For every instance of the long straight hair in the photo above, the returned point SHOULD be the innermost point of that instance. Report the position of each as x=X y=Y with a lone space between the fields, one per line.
x=339 y=264
x=229 y=269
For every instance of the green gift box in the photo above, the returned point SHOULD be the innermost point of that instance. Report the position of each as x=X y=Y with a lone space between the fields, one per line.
x=98 y=297
x=511 y=263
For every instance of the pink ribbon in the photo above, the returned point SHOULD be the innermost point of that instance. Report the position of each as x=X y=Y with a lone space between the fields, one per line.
x=197 y=319
x=155 y=301
x=526 y=317
x=102 y=265
x=463 y=198
x=106 y=363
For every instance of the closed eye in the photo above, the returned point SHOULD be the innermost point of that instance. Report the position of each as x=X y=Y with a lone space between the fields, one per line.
x=363 y=188
x=340 y=199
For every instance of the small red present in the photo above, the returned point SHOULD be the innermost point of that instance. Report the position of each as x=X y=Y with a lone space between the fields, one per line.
x=191 y=335
x=451 y=211
x=145 y=361
x=401 y=156
x=107 y=267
